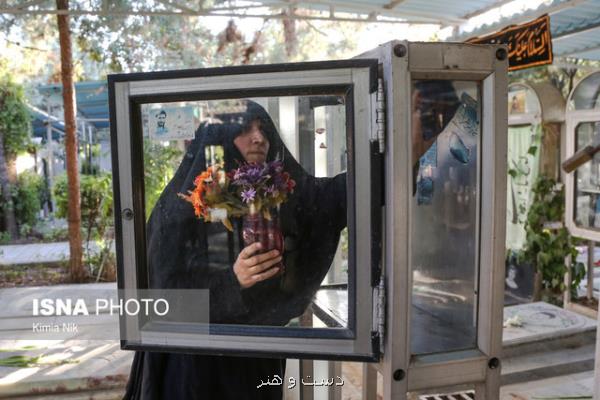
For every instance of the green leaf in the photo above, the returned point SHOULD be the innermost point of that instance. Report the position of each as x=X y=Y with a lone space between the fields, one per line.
x=532 y=150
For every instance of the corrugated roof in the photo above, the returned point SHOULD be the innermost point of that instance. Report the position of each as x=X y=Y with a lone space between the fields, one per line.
x=92 y=105
x=441 y=11
x=575 y=24
x=91 y=97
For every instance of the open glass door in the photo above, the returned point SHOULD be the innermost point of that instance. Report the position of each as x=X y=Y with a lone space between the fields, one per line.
x=207 y=163
x=445 y=216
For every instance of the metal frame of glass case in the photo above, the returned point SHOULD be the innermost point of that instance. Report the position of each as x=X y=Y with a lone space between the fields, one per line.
x=479 y=367
x=382 y=223
x=358 y=78
x=574 y=118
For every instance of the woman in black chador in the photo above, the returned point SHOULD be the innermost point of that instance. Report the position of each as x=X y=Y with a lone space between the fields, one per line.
x=244 y=282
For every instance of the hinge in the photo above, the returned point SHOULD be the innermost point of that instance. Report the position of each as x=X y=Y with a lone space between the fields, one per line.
x=378 y=128
x=380 y=111
x=379 y=300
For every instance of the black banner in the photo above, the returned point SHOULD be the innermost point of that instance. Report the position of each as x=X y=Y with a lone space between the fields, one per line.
x=529 y=44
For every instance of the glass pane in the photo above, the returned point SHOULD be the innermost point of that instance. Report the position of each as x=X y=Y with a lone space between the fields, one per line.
x=524 y=167
x=446 y=138
x=587 y=94
x=522 y=100
x=587 y=179
x=225 y=175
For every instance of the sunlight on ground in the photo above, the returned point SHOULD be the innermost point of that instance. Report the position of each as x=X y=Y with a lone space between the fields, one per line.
x=18 y=375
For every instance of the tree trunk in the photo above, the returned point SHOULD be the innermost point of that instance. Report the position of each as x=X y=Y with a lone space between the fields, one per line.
x=74 y=213
x=537 y=286
x=10 y=222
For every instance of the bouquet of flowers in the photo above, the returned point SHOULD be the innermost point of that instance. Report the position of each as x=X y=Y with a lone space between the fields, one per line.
x=211 y=198
x=262 y=187
x=248 y=190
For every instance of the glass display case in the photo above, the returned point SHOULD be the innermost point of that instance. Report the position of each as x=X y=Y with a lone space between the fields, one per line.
x=345 y=210
x=583 y=185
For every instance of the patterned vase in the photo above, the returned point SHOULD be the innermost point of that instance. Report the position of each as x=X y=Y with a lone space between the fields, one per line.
x=257 y=228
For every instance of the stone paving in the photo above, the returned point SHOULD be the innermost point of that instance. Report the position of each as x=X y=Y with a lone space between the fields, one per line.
x=100 y=367
x=37 y=253
x=71 y=368
x=59 y=366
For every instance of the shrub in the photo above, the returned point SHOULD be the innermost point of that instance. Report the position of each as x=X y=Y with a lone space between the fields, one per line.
x=548 y=242
x=28 y=197
x=96 y=202
x=160 y=163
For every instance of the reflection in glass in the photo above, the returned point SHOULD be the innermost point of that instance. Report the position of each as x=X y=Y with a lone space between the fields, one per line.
x=587 y=179
x=587 y=94
x=445 y=216
x=222 y=175
x=522 y=100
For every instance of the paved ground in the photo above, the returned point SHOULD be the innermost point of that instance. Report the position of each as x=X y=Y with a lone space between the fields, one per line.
x=101 y=368
x=37 y=253
x=34 y=253
x=58 y=366
x=565 y=387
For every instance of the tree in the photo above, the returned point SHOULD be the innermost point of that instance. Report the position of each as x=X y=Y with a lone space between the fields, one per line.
x=561 y=77
x=15 y=127
x=76 y=270
x=107 y=44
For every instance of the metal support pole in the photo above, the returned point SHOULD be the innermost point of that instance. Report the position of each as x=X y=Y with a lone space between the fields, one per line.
x=334 y=369
x=369 y=382
x=307 y=373
x=590 y=270
x=50 y=161
x=568 y=279
x=90 y=144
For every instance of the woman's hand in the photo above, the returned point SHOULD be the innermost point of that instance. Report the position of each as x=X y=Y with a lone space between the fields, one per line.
x=251 y=268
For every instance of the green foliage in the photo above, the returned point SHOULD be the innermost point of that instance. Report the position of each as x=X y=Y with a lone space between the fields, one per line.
x=15 y=121
x=19 y=361
x=102 y=263
x=96 y=202
x=5 y=237
x=27 y=197
x=23 y=361
x=159 y=165
x=97 y=219
x=27 y=200
x=56 y=235
x=548 y=242
x=106 y=44
x=88 y=165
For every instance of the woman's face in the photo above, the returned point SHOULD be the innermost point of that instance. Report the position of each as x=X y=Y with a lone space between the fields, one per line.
x=252 y=143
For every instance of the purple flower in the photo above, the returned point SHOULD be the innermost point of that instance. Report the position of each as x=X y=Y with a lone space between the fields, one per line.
x=248 y=174
x=275 y=167
x=248 y=195
x=272 y=190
